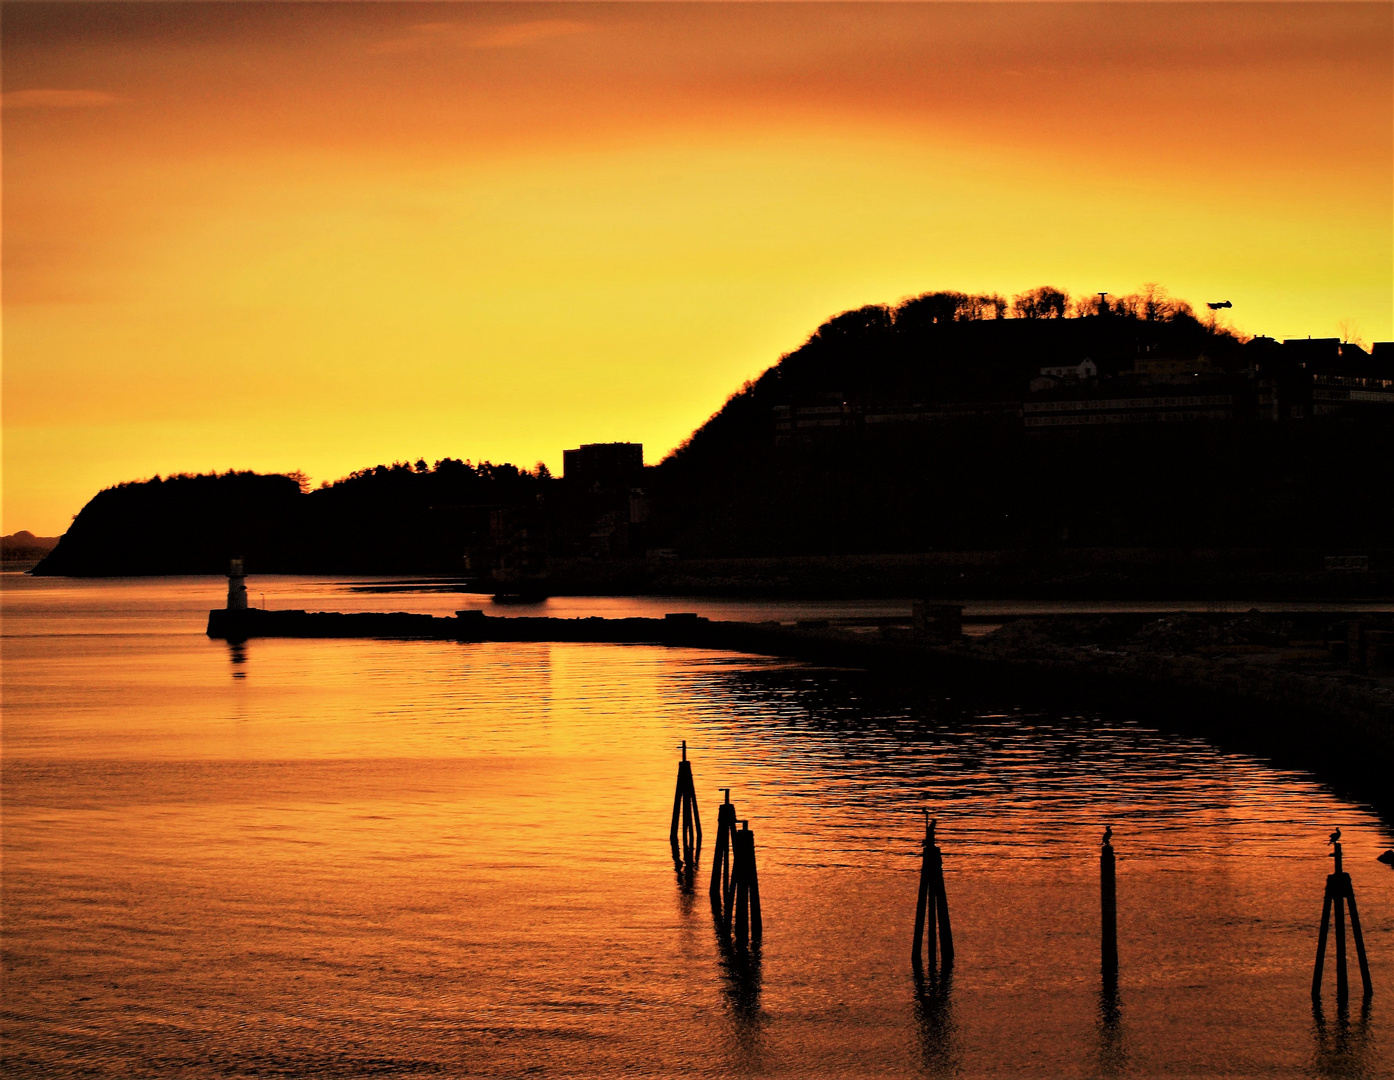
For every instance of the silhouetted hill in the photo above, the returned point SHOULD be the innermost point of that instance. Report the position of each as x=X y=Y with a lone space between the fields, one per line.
x=937 y=425
x=928 y=427
x=388 y=519
x=23 y=549
x=179 y=525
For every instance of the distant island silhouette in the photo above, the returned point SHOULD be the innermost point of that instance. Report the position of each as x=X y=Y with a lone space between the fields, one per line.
x=1041 y=426
x=23 y=550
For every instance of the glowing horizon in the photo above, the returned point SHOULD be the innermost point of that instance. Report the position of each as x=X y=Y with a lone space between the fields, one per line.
x=322 y=237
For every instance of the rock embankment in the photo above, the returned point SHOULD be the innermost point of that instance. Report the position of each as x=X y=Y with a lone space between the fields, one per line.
x=1333 y=673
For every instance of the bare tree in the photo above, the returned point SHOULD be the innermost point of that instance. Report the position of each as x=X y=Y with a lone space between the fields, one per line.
x=929 y=309
x=1155 y=302
x=944 y=307
x=1045 y=302
x=1349 y=330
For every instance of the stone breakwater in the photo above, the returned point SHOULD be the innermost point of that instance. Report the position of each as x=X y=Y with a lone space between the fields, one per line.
x=1314 y=689
x=1318 y=688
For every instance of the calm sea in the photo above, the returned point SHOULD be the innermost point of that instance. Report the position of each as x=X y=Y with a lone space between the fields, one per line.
x=380 y=858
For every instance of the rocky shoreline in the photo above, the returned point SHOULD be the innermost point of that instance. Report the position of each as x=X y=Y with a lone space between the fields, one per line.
x=1315 y=689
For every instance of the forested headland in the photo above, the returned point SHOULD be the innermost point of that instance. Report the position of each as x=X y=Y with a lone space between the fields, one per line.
x=399 y=518
x=948 y=422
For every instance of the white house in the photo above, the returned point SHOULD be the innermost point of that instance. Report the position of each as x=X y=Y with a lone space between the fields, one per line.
x=1085 y=369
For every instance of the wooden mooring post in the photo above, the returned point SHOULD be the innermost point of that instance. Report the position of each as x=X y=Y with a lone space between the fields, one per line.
x=1108 y=908
x=741 y=910
x=685 y=807
x=721 y=857
x=1340 y=893
x=932 y=907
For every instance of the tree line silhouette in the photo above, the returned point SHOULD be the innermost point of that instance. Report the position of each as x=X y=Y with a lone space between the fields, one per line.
x=967 y=476
x=398 y=518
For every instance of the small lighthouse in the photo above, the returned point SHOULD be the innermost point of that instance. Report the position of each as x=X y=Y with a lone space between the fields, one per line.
x=236 y=587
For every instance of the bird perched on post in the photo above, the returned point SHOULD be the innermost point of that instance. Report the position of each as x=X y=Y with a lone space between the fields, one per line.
x=1335 y=836
x=1108 y=833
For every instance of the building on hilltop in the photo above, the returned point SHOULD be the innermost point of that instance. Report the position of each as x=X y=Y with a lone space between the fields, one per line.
x=606 y=501
x=1158 y=389
x=603 y=464
x=1085 y=369
x=1263 y=380
x=1320 y=377
x=815 y=422
x=1360 y=383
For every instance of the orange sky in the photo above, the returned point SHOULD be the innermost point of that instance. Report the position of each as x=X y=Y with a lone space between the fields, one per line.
x=324 y=236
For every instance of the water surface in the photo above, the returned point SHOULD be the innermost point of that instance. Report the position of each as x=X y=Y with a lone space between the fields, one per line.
x=353 y=858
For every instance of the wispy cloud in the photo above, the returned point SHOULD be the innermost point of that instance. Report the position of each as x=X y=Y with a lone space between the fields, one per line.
x=506 y=36
x=525 y=33
x=58 y=99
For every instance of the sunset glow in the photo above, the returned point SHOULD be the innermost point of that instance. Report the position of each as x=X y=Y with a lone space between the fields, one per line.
x=318 y=237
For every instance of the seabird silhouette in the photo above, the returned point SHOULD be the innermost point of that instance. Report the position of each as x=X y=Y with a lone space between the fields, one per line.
x=1335 y=836
x=1108 y=833
x=1219 y=304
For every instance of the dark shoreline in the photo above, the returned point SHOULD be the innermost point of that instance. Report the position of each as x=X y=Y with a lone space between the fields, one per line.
x=1059 y=574
x=1182 y=574
x=1283 y=703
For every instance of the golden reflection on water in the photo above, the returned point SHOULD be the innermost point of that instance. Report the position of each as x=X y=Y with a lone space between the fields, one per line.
x=352 y=857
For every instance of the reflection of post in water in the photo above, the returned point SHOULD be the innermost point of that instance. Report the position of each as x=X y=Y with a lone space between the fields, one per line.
x=1340 y=893
x=1342 y=1047
x=935 y=1018
x=740 y=986
x=735 y=898
x=1113 y=1054
x=933 y=903
x=685 y=809
x=685 y=869
x=237 y=653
